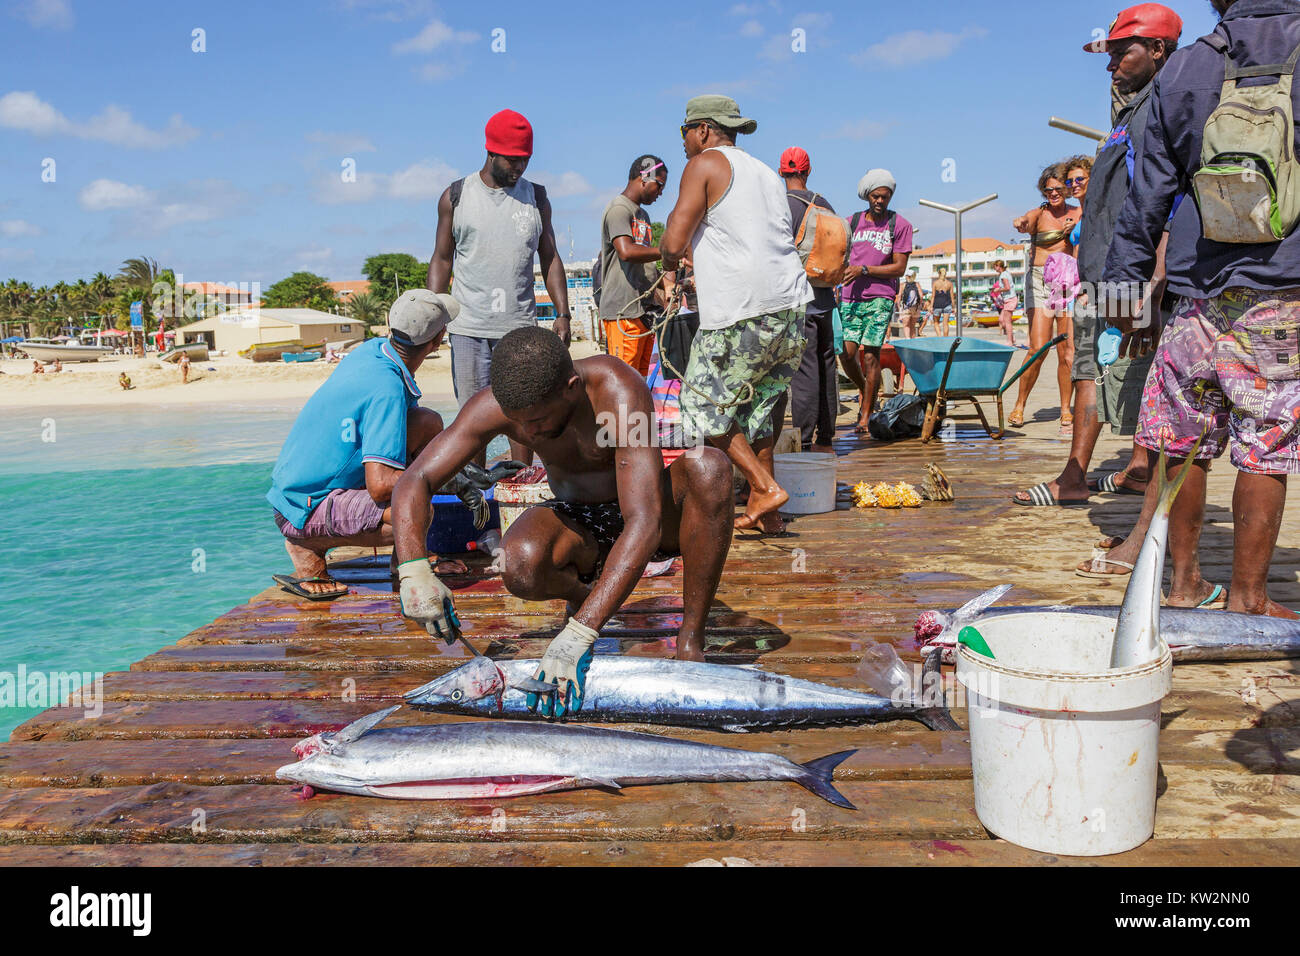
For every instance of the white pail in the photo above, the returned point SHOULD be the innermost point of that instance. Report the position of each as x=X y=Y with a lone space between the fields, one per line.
x=809 y=479
x=1064 y=750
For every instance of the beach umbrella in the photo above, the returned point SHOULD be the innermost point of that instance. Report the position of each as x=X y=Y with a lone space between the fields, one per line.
x=12 y=338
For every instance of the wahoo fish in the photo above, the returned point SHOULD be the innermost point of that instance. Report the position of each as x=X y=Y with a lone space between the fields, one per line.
x=1137 y=628
x=675 y=693
x=479 y=759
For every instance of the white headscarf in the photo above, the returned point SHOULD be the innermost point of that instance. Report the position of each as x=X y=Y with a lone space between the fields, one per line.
x=874 y=179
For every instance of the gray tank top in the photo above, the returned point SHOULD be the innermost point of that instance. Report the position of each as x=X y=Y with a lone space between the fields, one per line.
x=496 y=233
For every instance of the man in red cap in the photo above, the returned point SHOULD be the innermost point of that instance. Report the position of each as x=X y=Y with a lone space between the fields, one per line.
x=490 y=226
x=1139 y=43
x=814 y=389
x=1224 y=374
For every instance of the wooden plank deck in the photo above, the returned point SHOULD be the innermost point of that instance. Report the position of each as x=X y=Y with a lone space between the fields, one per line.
x=179 y=768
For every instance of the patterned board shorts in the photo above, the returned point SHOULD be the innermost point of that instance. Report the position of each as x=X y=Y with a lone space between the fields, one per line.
x=605 y=522
x=762 y=352
x=867 y=323
x=1229 y=367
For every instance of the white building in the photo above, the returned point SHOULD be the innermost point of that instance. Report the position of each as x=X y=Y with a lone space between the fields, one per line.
x=977 y=257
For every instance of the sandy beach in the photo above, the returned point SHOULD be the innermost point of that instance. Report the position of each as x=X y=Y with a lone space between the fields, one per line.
x=216 y=380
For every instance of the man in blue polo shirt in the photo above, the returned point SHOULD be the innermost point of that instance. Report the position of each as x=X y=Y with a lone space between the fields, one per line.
x=333 y=481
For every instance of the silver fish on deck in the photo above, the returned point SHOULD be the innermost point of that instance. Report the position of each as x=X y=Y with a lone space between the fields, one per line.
x=481 y=759
x=1193 y=634
x=673 y=693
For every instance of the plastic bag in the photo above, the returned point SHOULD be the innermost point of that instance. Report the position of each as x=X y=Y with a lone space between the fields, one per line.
x=899 y=417
x=884 y=674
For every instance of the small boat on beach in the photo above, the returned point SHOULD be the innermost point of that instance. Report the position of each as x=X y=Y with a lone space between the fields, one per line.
x=300 y=356
x=45 y=350
x=270 y=351
x=197 y=351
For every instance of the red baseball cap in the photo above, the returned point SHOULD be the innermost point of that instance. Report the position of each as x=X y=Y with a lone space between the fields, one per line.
x=795 y=160
x=1150 y=21
x=509 y=134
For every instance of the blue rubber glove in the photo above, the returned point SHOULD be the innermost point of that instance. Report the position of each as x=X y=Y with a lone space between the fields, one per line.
x=565 y=664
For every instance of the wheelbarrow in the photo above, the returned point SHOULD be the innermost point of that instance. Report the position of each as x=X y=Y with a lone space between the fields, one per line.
x=941 y=375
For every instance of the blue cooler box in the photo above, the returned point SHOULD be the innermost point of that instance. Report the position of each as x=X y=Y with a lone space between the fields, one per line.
x=452 y=528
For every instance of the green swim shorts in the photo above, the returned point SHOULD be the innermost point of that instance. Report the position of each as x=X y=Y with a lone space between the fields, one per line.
x=761 y=353
x=867 y=323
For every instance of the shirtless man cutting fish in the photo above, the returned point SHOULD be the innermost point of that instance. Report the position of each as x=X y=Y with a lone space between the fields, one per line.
x=616 y=506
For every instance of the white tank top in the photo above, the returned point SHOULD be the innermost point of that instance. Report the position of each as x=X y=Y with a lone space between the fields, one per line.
x=745 y=261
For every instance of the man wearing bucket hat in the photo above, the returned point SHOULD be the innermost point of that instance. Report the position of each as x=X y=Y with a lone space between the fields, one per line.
x=335 y=475
x=880 y=243
x=490 y=226
x=752 y=292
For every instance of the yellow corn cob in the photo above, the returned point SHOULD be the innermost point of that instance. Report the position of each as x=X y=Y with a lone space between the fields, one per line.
x=907 y=495
x=886 y=495
x=863 y=496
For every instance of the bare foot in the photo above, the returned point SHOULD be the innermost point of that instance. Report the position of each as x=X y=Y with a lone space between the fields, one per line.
x=690 y=648
x=1108 y=542
x=309 y=564
x=450 y=566
x=1269 y=608
x=761 y=505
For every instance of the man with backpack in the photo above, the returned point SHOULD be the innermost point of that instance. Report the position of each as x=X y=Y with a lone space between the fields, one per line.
x=880 y=245
x=1226 y=372
x=814 y=389
x=490 y=226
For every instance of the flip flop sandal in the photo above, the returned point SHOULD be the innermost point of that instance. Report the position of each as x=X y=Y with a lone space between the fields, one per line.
x=1108 y=484
x=1014 y=422
x=1040 y=496
x=295 y=587
x=1218 y=599
x=1104 y=575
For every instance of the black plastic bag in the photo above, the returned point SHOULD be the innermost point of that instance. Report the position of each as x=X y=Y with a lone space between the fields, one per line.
x=675 y=338
x=899 y=417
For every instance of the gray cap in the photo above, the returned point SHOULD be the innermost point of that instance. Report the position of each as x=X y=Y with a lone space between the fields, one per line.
x=418 y=315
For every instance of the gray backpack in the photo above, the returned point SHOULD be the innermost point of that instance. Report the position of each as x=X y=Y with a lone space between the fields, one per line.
x=1248 y=186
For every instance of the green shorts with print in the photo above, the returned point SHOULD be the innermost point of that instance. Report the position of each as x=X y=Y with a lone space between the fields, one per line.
x=867 y=323
x=736 y=374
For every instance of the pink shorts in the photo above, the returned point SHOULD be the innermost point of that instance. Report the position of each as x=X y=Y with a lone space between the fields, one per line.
x=344 y=513
x=1228 y=367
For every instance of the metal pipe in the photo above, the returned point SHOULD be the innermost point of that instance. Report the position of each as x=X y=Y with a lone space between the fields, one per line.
x=957 y=212
x=1076 y=128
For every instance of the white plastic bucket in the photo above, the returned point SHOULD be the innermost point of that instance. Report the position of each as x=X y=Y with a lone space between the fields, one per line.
x=1064 y=750
x=809 y=479
x=513 y=500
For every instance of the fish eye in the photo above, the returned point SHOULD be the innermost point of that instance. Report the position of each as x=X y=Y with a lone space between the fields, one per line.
x=457 y=694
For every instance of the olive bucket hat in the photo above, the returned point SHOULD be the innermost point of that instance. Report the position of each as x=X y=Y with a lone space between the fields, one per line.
x=722 y=110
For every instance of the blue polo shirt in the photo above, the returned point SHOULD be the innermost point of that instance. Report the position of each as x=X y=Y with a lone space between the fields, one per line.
x=357 y=415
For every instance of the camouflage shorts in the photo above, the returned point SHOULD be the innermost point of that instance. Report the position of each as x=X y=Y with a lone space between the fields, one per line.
x=761 y=353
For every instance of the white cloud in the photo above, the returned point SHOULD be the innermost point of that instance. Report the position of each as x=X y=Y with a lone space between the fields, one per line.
x=746 y=9
x=565 y=184
x=914 y=46
x=342 y=142
x=751 y=28
x=148 y=212
x=104 y=194
x=18 y=227
x=52 y=14
x=434 y=35
x=422 y=180
x=24 y=110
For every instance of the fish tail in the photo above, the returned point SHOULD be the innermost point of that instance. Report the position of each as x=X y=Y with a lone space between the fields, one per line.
x=817 y=778
x=1169 y=489
x=937 y=717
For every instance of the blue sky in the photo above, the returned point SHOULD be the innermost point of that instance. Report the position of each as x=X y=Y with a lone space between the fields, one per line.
x=226 y=164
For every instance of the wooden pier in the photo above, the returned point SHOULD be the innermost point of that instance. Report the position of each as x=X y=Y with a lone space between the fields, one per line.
x=180 y=767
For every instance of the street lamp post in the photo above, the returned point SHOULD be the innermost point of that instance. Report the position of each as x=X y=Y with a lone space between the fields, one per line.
x=957 y=212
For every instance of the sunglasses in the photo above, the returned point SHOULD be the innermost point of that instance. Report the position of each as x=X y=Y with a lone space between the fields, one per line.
x=686 y=128
x=1077 y=181
x=1054 y=189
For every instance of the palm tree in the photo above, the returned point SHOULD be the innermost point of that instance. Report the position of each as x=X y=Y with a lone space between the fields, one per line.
x=140 y=272
x=365 y=308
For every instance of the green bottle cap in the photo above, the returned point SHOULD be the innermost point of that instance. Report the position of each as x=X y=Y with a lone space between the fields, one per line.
x=975 y=641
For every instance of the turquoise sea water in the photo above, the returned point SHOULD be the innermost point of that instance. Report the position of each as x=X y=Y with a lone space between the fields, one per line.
x=126 y=531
